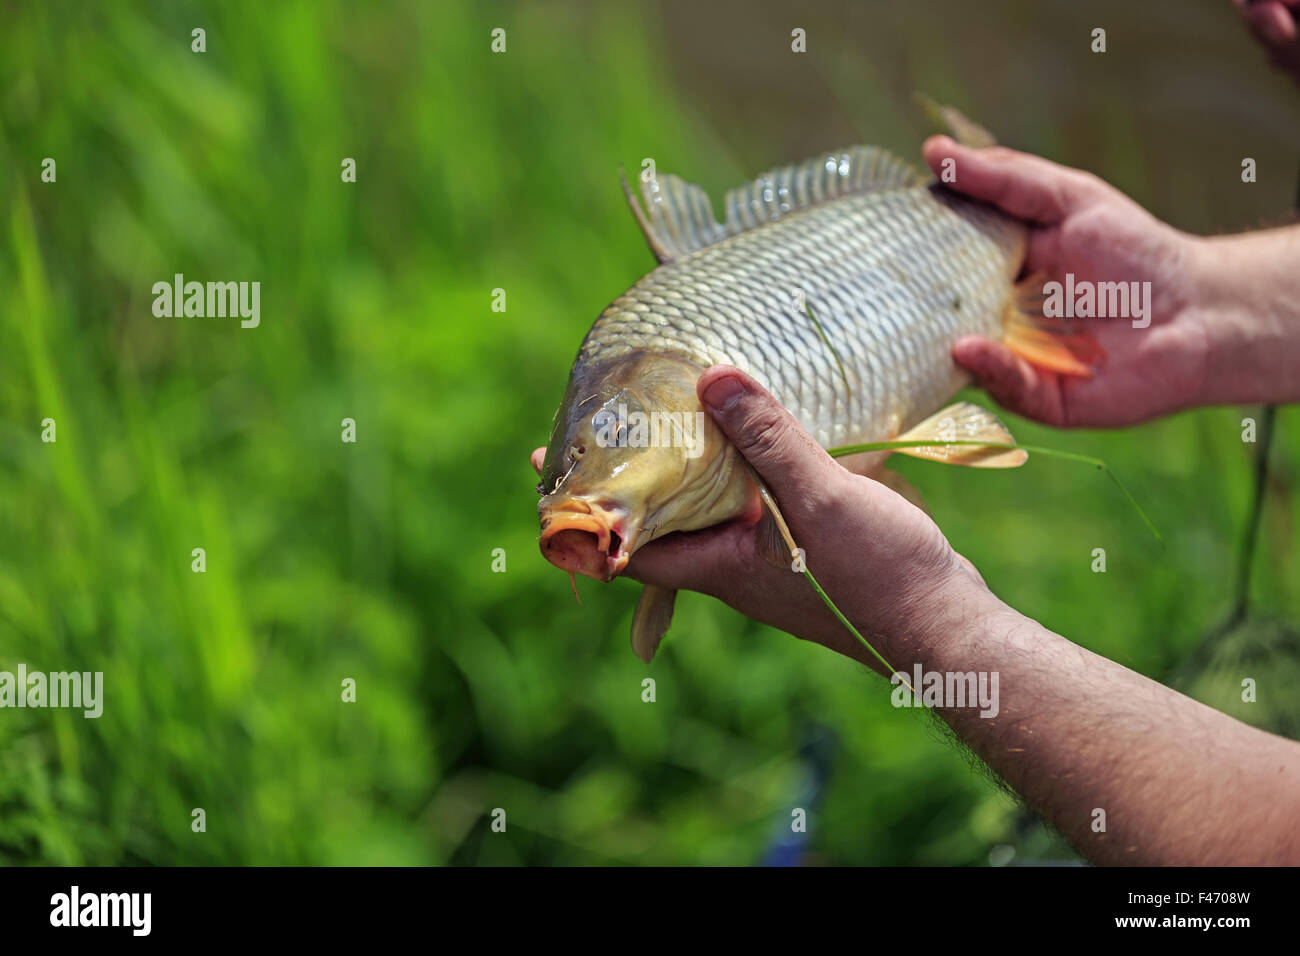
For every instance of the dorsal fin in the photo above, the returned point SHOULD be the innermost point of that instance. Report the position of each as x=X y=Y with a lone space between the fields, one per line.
x=680 y=217
x=779 y=192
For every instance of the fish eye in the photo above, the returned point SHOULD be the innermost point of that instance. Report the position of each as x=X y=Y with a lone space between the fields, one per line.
x=577 y=451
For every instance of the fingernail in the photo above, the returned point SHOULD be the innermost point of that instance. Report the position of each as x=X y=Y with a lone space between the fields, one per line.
x=722 y=394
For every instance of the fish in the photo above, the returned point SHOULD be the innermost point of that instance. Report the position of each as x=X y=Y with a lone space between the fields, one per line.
x=840 y=284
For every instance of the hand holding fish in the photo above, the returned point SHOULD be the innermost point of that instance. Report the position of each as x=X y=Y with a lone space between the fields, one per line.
x=885 y=582
x=1089 y=231
x=1197 y=332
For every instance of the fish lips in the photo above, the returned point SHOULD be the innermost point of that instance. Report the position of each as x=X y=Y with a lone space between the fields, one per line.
x=576 y=538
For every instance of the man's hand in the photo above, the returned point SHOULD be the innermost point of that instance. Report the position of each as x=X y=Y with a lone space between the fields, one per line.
x=1083 y=226
x=881 y=559
x=1274 y=24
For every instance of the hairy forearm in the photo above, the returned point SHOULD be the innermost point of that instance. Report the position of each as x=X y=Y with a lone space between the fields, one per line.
x=1074 y=734
x=1248 y=294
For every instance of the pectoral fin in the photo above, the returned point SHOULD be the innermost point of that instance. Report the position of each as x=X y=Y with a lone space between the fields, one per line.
x=964 y=422
x=654 y=612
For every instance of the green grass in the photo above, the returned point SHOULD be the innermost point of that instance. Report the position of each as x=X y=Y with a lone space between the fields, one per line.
x=373 y=560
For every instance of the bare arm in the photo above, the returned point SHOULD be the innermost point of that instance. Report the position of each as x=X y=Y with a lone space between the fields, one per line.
x=1075 y=733
x=1250 y=297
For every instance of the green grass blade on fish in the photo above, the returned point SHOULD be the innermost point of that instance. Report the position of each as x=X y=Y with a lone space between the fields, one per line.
x=1032 y=449
x=831 y=348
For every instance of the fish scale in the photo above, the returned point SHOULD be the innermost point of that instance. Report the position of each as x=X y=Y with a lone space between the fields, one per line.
x=894 y=276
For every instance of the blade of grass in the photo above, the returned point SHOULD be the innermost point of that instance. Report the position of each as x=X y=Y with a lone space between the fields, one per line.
x=852 y=630
x=827 y=342
x=843 y=450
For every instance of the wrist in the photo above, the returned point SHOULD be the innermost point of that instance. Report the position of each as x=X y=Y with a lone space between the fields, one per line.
x=938 y=616
x=1247 y=302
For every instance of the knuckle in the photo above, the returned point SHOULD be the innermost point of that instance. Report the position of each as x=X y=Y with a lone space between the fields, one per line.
x=763 y=437
x=1086 y=179
x=1085 y=187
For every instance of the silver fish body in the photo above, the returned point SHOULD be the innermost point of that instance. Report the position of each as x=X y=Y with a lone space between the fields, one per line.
x=893 y=276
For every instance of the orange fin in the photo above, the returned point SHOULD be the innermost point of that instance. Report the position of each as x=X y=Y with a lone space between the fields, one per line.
x=963 y=421
x=1057 y=344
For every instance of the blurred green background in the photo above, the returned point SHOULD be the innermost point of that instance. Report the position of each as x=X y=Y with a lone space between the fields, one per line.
x=373 y=560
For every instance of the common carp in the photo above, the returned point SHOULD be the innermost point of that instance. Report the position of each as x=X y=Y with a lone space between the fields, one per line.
x=841 y=284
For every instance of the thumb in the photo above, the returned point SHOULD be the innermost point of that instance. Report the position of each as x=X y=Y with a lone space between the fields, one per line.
x=1028 y=187
x=776 y=445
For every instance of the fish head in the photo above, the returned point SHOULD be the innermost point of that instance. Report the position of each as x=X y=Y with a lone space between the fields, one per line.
x=633 y=457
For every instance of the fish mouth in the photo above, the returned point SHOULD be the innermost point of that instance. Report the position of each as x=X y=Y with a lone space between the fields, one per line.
x=596 y=543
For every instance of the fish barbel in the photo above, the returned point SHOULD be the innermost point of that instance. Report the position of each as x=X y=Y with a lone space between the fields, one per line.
x=840 y=284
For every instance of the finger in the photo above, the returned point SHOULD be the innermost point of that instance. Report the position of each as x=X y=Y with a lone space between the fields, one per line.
x=778 y=447
x=1043 y=254
x=1014 y=383
x=1026 y=186
x=689 y=560
x=538 y=456
x=1271 y=21
x=1279 y=24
